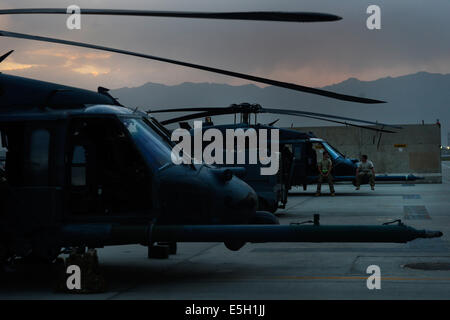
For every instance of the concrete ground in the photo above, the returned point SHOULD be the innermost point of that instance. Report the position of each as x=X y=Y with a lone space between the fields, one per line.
x=287 y=270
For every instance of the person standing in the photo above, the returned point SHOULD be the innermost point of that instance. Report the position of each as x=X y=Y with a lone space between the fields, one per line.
x=365 y=169
x=324 y=168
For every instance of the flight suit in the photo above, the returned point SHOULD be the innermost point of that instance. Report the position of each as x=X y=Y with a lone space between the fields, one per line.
x=324 y=165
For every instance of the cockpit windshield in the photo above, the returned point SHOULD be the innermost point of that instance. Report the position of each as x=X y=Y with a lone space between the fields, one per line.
x=334 y=153
x=154 y=148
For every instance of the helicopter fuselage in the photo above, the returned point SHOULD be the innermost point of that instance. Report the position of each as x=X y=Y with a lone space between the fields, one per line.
x=297 y=152
x=104 y=164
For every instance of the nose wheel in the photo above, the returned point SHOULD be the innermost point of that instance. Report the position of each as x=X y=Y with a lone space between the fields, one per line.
x=161 y=250
x=260 y=217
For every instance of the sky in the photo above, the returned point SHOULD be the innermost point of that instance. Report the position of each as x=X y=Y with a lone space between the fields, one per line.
x=414 y=36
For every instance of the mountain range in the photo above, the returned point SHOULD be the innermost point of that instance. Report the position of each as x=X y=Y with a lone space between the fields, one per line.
x=410 y=99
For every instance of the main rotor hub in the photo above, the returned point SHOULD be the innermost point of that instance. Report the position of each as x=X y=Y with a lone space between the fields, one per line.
x=246 y=108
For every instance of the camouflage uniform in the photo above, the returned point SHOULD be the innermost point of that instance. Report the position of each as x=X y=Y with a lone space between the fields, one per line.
x=365 y=170
x=324 y=165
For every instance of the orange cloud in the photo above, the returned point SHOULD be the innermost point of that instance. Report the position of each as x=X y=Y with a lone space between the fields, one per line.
x=74 y=60
x=11 y=66
x=92 y=70
x=71 y=54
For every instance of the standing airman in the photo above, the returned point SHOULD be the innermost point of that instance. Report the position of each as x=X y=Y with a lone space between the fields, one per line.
x=324 y=166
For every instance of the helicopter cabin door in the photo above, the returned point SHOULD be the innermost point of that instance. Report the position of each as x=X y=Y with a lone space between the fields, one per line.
x=31 y=195
x=105 y=175
x=300 y=163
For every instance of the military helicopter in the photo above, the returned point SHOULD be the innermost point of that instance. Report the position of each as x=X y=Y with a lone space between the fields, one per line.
x=298 y=163
x=82 y=170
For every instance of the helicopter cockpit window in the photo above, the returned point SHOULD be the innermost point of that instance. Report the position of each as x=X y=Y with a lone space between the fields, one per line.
x=79 y=166
x=37 y=163
x=106 y=174
x=322 y=146
x=298 y=152
x=334 y=153
x=154 y=148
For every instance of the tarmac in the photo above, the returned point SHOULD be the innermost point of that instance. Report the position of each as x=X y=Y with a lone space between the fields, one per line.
x=287 y=270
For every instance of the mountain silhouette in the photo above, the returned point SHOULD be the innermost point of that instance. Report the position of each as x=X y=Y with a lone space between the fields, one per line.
x=410 y=99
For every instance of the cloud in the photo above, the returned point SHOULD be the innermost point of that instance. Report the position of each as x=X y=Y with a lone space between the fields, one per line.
x=73 y=60
x=91 y=70
x=13 y=66
x=71 y=54
x=412 y=38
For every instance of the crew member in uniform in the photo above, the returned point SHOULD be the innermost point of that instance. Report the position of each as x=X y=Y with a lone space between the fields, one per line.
x=324 y=168
x=365 y=170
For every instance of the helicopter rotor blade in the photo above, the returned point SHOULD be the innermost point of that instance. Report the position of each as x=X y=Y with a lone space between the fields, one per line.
x=195 y=116
x=258 y=109
x=276 y=83
x=349 y=124
x=250 y=15
x=223 y=112
x=3 y=57
x=203 y=109
x=322 y=115
x=204 y=112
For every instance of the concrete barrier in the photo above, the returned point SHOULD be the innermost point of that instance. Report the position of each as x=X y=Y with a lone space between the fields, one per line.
x=414 y=149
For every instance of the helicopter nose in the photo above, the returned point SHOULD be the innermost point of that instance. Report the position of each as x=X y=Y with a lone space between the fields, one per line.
x=204 y=196
x=240 y=204
x=248 y=203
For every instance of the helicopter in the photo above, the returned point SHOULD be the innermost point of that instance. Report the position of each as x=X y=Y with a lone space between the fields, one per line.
x=84 y=171
x=298 y=156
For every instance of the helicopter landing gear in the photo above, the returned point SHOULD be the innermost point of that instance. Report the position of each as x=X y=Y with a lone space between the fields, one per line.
x=260 y=217
x=161 y=250
x=234 y=245
x=91 y=277
x=172 y=246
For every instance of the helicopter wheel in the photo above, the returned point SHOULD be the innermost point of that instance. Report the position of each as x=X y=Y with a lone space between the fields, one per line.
x=92 y=277
x=172 y=246
x=158 y=251
x=261 y=217
x=234 y=245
